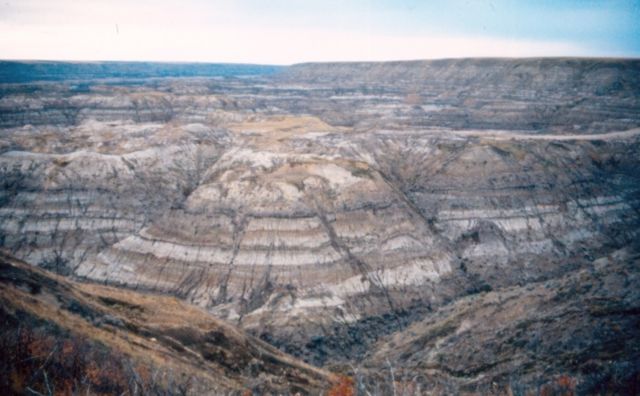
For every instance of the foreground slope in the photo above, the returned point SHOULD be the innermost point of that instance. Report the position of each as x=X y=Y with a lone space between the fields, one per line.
x=59 y=336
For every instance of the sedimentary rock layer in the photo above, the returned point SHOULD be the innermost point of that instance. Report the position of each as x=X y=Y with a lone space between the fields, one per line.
x=306 y=205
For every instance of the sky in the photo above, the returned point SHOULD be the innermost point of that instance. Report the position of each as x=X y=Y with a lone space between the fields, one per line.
x=293 y=31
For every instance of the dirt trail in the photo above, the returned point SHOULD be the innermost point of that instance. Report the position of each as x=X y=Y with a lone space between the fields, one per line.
x=507 y=135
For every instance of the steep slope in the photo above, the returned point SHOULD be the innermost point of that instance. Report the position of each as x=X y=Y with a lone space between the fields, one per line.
x=576 y=333
x=61 y=336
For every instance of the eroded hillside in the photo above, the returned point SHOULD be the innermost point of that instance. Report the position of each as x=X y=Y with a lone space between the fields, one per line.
x=327 y=207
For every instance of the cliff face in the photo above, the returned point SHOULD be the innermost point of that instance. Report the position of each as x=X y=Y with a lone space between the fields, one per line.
x=559 y=95
x=328 y=206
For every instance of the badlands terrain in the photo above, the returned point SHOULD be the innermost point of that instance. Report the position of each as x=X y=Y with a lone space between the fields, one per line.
x=428 y=227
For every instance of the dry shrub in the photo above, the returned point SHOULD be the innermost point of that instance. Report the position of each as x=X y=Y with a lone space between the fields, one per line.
x=44 y=360
x=563 y=385
x=344 y=387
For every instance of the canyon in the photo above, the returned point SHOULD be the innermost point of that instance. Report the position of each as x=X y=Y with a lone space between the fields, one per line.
x=446 y=226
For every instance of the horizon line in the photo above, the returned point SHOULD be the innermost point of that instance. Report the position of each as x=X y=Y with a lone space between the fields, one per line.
x=249 y=63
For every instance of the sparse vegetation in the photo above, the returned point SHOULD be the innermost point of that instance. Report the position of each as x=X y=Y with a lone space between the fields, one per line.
x=41 y=359
x=57 y=264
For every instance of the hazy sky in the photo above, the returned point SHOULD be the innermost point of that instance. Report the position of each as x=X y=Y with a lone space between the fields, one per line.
x=290 y=31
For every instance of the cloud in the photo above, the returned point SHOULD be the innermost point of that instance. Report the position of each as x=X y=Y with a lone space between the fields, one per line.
x=227 y=31
x=259 y=46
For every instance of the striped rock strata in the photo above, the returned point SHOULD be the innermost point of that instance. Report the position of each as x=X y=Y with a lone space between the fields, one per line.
x=316 y=222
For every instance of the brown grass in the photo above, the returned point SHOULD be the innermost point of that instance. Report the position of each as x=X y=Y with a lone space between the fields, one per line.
x=154 y=331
